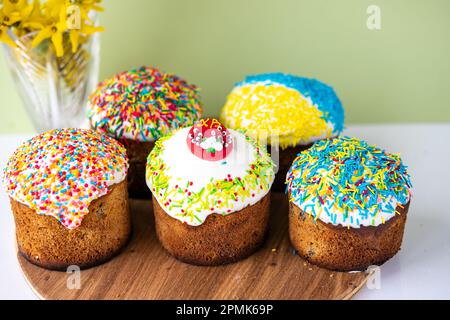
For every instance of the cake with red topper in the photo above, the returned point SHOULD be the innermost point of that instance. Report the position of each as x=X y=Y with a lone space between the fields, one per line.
x=211 y=191
x=138 y=107
x=68 y=194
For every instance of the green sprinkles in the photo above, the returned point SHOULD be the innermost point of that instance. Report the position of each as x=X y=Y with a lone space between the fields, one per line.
x=217 y=195
x=336 y=177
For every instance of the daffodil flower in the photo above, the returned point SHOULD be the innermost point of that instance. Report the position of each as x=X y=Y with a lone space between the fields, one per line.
x=86 y=6
x=49 y=20
x=15 y=10
x=55 y=32
x=35 y=20
x=4 y=37
x=53 y=8
x=84 y=30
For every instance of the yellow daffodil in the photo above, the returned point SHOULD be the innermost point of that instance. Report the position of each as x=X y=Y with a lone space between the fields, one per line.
x=84 y=30
x=86 y=6
x=35 y=20
x=4 y=37
x=49 y=19
x=15 y=10
x=55 y=32
x=53 y=8
x=4 y=29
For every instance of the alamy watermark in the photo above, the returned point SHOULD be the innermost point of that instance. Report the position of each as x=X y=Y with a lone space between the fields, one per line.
x=74 y=278
x=374 y=17
x=73 y=17
x=374 y=278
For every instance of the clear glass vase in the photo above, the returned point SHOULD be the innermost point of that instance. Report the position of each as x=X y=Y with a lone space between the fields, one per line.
x=54 y=90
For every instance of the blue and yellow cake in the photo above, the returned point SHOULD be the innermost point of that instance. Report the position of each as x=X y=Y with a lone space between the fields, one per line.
x=290 y=112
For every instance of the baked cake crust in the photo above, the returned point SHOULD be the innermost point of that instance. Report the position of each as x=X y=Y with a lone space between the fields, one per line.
x=45 y=242
x=221 y=239
x=345 y=249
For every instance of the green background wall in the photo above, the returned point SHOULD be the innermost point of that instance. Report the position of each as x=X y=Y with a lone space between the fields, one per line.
x=400 y=73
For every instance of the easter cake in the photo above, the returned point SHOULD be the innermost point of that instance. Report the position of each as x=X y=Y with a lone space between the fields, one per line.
x=287 y=111
x=138 y=107
x=348 y=204
x=211 y=191
x=68 y=194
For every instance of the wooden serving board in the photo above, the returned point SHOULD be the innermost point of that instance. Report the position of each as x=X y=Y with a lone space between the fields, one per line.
x=145 y=271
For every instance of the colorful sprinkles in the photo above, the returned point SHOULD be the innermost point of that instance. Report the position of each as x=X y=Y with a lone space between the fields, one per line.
x=346 y=181
x=143 y=104
x=60 y=172
x=296 y=110
x=188 y=203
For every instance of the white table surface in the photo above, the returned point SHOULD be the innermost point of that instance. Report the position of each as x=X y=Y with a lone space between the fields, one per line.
x=421 y=270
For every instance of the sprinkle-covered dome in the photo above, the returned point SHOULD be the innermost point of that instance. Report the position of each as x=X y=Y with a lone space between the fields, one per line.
x=143 y=104
x=345 y=181
x=207 y=169
x=295 y=110
x=60 y=172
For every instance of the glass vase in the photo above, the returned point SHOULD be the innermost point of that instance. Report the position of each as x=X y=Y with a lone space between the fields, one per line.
x=54 y=90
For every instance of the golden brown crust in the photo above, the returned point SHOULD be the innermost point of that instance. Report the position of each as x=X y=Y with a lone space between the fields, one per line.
x=137 y=153
x=219 y=240
x=345 y=249
x=286 y=157
x=44 y=241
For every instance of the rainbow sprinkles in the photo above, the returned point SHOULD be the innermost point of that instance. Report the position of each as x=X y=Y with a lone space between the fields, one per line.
x=143 y=104
x=60 y=172
x=345 y=181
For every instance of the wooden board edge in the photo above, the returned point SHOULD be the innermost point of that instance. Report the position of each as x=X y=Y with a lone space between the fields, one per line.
x=20 y=261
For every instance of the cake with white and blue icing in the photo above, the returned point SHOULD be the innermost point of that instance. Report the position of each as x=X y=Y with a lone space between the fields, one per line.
x=348 y=204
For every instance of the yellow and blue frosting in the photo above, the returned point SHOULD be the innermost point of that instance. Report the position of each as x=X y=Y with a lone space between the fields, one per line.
x=285 y=108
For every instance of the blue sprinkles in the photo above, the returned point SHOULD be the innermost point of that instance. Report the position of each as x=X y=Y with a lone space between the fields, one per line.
x=348 y=175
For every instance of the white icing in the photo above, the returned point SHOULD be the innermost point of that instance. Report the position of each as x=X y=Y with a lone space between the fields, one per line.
x=62 y=176
x=336 y=217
